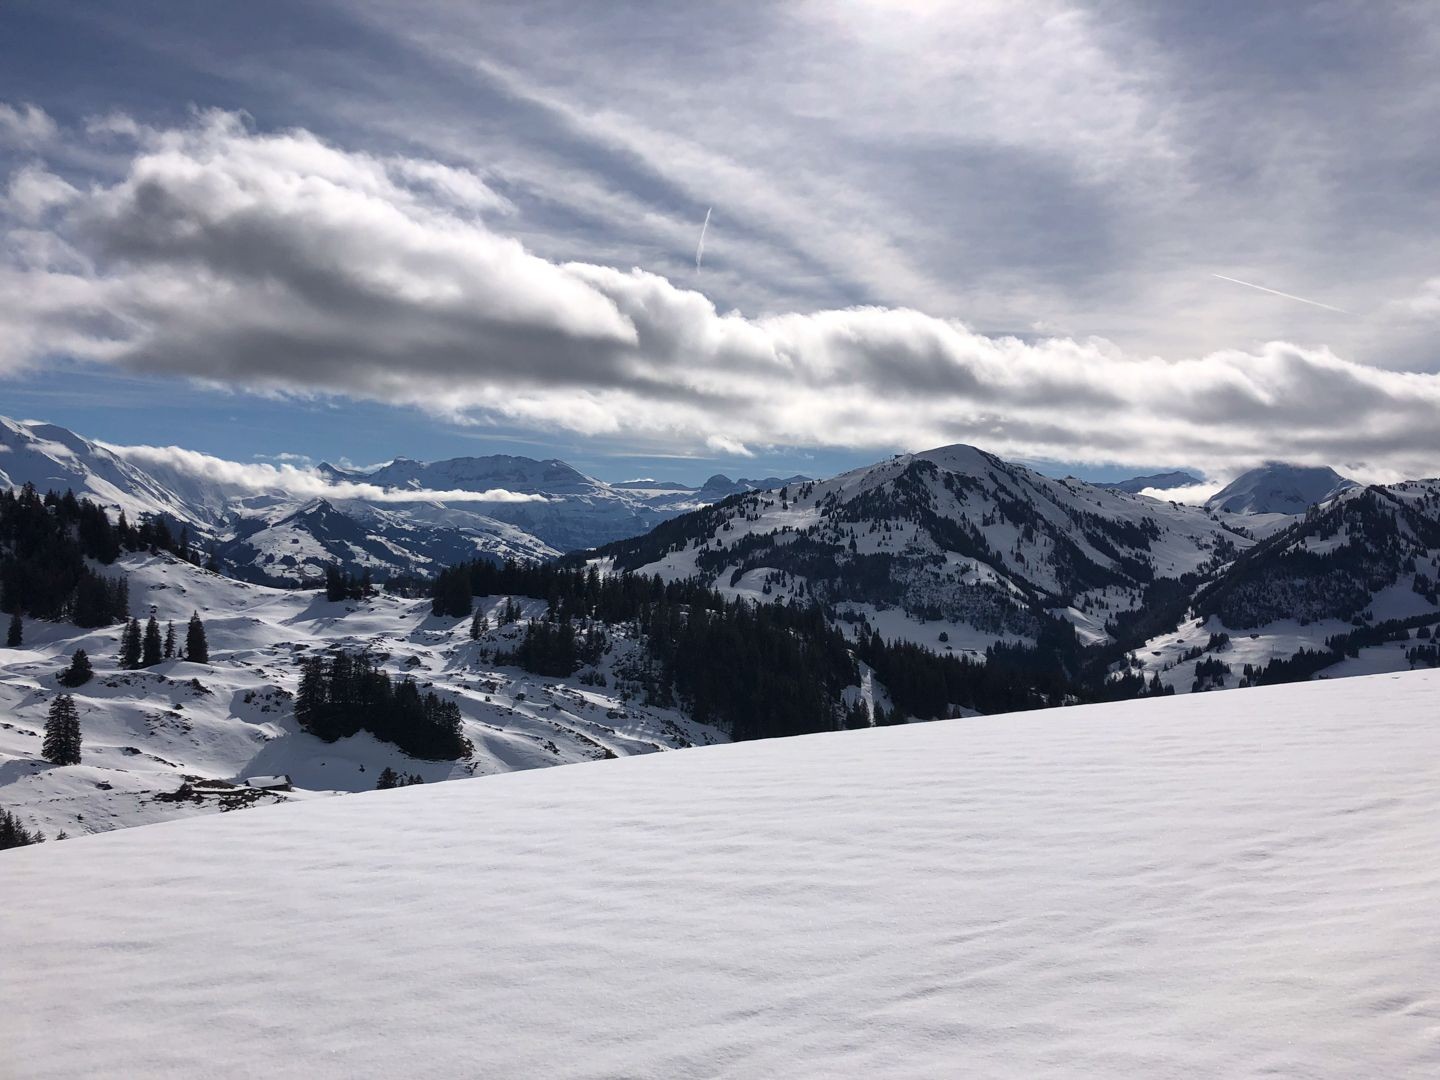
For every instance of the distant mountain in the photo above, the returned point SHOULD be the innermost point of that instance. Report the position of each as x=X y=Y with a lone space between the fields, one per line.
x=276 y=536
x=721 y=486
x=952 y=541
x=1277 y=488
x=1161 y=481
x=652 y=485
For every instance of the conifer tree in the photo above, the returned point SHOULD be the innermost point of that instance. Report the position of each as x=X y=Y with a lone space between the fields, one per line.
x=151 y=648
x=169 y=641
x=79 y=672
x=62 y=732
x=16 y=635
x=197 y=649
x=14 y=834
x=478 y=625
x=131 y=645
x=389 y=778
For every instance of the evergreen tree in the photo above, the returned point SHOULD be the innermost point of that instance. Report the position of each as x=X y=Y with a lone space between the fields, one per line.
x=79 y=672
x=389 y=778
x=169 y=641
x=16 y=636
x=14 y=834
x=450 y=594
x=478 y=625
x=151 y=648
x=131 y=646
x=62 y=732
x=197 y=649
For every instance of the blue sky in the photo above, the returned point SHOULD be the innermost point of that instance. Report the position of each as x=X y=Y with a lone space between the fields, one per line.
x=368 y=228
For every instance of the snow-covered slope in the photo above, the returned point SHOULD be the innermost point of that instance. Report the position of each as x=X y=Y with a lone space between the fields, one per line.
x=1232 y=885
x=953 y=541
x=145 y=732
x=1365 y=566
x=289 y=543
x=54 y=459
x=1278 y=488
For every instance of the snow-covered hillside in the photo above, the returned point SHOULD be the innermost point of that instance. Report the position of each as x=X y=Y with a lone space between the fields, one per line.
x=1365 y=566
x=148 y=731
x=1231 y=885
x=276 y=534
x=1278 y=488
x=54 y=459
x=953 y=541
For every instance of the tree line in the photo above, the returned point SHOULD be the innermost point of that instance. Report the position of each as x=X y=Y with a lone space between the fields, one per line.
x=347 y=692
x=45 y=542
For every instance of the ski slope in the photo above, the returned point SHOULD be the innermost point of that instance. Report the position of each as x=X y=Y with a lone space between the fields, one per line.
x=1217 y=885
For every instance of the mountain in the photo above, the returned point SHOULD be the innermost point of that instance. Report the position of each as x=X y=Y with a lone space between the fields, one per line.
x=721 y=486
x=1160 y=481
x=297 y=543
x=952 y=542
x=1219 y=886
x=1277 y=488
x=274 y=536
x=55 y=459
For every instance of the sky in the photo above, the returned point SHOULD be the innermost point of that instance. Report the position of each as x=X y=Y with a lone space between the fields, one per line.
x=361 y=229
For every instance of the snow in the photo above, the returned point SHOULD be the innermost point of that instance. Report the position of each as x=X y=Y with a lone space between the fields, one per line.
x=1222 y=885
x=147 y=732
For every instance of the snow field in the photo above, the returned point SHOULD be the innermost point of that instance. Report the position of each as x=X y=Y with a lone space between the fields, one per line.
x=1213 y=885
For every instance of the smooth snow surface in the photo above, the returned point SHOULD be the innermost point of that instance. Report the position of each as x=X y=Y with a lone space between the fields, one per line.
x=1229 y=885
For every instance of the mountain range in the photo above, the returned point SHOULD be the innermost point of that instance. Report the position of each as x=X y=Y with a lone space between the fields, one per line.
x=1033 y=591
x=272 y=535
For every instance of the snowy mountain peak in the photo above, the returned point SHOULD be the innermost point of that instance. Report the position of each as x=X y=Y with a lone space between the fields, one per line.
x=960 y=458
x=1279 y=488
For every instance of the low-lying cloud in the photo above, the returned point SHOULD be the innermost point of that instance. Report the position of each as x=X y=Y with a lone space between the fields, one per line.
x=278 y=262
x=290 y=480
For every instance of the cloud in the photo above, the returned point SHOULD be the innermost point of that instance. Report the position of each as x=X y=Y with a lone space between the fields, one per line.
x=725 y=445
x=282 y=263
x=33 y=191
x=1190 y=494
x=287 y=479
x=25 y=125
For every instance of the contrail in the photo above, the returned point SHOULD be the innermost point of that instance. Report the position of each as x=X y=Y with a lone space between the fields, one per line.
x=1277 y=292
x=700 y=248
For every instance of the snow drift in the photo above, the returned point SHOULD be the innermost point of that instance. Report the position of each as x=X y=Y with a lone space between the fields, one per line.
x=1215 y=885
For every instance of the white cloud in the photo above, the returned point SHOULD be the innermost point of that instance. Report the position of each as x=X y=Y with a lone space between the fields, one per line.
x=25 y=125
x=1190 y=494
x=725 y=445
x=305 y=483
x=281 y=263
x=33 y=191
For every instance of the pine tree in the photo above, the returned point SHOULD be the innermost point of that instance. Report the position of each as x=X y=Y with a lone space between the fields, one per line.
x=389 y=778
x=197 y=649
x=62 y=732
x=131 y=645
x=16 y=637
x=79 y=672
x=169 y=641
x=151 y=649
x=478 y=625
x=14 y=834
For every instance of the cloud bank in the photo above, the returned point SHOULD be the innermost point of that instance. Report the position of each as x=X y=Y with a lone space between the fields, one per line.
x=280 y=263
x=260 y=479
